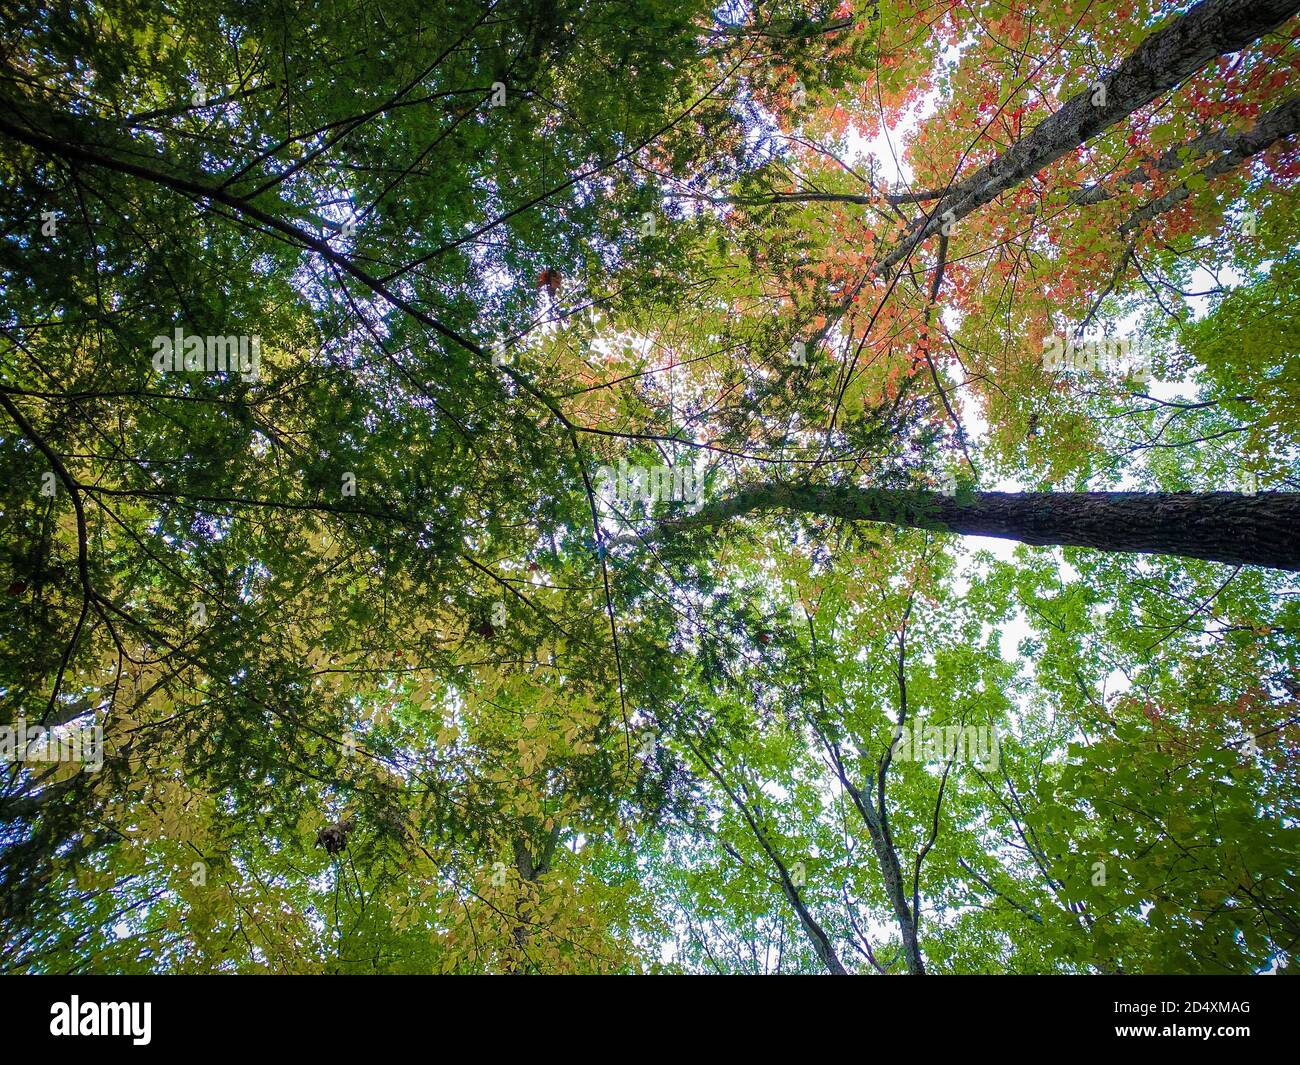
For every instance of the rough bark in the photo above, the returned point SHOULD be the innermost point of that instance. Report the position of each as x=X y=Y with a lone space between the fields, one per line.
x=1272 y=126
x=530 y=870
x=1209 y=29
x=1238 y=529
x=1275 y=125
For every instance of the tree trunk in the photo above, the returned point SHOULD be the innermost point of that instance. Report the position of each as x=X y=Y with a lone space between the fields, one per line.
x=1253 y=530
x=892 y=876
x=1208 y=29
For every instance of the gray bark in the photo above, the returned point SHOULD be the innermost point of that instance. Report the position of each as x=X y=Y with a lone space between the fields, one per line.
x=1238 y=529
x=1209 y=29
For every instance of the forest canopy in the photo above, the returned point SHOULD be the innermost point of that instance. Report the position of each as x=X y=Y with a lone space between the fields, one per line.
x=645 y=486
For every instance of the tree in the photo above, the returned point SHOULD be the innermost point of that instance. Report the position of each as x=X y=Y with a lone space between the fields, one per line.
x=538 y=438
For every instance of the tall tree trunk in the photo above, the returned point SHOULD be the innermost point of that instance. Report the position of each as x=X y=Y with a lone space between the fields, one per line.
x=530 y=870
x=1208 y=29
x=1256 y=530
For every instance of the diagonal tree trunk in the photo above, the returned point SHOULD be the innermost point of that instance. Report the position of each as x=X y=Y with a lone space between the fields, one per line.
x=1209 y=29
x=1275 y=125
x=1272 y=126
